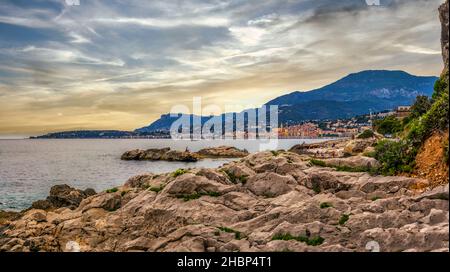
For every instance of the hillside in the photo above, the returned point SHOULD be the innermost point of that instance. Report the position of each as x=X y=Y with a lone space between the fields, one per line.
x=355 y=94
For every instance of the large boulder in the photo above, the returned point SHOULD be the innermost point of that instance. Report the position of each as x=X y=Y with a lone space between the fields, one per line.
x=270 y=184
x=353 y=162
x=63 y=196
x=355 y=147
x=189 y=184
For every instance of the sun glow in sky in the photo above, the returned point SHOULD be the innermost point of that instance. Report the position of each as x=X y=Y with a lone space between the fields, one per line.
x=112 y=64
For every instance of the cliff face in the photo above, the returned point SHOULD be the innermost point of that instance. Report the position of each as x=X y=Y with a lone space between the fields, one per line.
x=444 y=17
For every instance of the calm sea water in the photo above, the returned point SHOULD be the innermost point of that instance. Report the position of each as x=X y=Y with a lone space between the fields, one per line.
x=28 y=168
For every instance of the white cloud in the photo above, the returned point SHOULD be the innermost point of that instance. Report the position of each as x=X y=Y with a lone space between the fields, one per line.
x=165 y=22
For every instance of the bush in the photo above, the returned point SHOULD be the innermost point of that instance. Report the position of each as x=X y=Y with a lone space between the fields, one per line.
x=439 y=87
x=156 y=189
x=420 y=106
x=388 y=125
x=318 y=163
x=314 y=241
x=179 y=172
x=112 y=190
x=344 y=218
x=237 y=234
x=394 y=157
x=398 y=157
x=196 y=195
x=325 y=205
x=435 y=119
x=366 y=134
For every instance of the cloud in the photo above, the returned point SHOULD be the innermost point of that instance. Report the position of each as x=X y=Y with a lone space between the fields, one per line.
x=120 y=64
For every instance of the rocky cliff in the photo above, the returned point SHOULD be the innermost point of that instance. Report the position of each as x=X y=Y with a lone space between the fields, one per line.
x=444 y=18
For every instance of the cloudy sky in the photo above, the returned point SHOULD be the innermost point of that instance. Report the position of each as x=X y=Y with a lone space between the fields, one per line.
x=119 y=64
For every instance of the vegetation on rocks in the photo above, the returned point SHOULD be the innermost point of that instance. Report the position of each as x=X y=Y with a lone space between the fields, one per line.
x=366 y=134
x=344 y=218
x=156 y=189
x=314 y=241
x=237 y=234
x=389 y=125
x=112 y=190
x=179 y=172
x=325 y=205
x=109 y=222
x=188 y=197
x=399 y=156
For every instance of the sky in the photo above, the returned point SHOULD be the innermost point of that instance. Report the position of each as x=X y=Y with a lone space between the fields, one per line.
x=116 y=64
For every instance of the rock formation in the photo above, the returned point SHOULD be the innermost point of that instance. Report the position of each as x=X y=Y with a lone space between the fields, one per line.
x=165 y=154
x=444 y=18
x=264 y=202
x=63 y=196
x=222 y=152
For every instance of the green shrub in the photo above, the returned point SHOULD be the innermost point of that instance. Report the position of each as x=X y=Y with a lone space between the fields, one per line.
x=237 y=234
x=275 y=152
x=316 y=188
x=394 y=157
x=314 y=241
x=243 y=179
x=179 y=172
x=366 y=134
x=123 y=193
x=435 y=119
x=344 y=218
x=112 y=190
x=318 y=162
x=156 y=189
x=235 y=179
x=325 y=205
x=420 y=106
x=439 y=87
x=398 y=157
x=388 y=125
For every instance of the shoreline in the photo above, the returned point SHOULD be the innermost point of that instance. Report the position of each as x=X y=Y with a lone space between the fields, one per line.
x=266 y=201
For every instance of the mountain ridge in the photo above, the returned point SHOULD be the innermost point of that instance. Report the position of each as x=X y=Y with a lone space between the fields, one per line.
x=355 y=94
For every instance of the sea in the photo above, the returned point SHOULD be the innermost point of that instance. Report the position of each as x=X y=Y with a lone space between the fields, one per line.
x=30 y=167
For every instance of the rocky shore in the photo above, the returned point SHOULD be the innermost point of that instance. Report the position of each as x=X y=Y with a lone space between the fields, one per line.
x=267 y=201
x=166 y=154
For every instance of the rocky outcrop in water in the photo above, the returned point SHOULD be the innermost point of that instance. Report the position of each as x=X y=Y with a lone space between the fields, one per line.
x=264 y=202
x=164 y=154
x=222 y=152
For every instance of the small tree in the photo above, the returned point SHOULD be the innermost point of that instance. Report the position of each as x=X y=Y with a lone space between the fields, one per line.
x=421 y=106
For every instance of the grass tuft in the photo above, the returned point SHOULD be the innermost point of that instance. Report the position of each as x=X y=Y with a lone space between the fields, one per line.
x=112 y=190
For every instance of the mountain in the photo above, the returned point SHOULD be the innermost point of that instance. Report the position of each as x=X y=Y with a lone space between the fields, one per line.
x=355 y=94
x=164 y=122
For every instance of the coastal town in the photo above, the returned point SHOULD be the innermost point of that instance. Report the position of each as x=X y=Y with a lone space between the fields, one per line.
x=310 y=129
x=339 y=127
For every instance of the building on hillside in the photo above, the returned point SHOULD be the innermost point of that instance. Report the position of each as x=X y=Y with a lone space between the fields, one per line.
x=402 y=111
